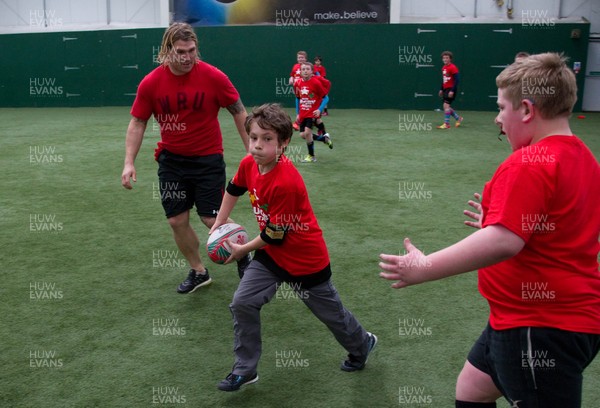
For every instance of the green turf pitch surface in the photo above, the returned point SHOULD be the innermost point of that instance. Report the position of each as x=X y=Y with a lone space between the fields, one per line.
x=90 y=314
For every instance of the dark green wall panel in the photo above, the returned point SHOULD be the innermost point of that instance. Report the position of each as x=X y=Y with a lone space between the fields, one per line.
x=370 y=66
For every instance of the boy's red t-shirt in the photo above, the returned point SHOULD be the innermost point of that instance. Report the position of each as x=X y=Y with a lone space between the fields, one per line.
x=448 y=72
x=320 y=70
x=295 y=73
x=186 y=108
x=549 y=195
x=280 y=197
x=311 y=94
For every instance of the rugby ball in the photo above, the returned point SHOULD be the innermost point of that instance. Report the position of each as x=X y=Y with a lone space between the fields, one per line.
x=216 y=246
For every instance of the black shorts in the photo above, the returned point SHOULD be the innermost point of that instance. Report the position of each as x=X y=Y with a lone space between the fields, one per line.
x=447 y=99
x=187 y=181
x=307 y=123
x=541 y=367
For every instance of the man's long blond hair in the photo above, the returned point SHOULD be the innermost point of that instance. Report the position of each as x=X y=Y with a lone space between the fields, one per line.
x=545 y=80
x=175 y=32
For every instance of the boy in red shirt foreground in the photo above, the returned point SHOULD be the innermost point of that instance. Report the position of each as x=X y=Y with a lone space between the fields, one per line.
x=290 y=248
x=536 y=250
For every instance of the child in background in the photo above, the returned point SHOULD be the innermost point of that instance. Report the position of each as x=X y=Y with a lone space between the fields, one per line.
x=449 y=89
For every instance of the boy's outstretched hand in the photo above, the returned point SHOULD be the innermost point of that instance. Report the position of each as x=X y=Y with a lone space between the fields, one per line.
x=407 y=270
x=477 y=215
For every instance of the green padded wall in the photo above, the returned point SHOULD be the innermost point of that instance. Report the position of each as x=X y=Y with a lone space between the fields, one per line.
x=395 y=66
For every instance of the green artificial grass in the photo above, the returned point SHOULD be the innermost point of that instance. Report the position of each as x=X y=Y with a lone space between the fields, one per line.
x=90 y=316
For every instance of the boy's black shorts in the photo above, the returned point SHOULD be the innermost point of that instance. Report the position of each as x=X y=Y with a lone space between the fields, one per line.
x=447 y=99
x=307 y=123
x=186 y=181
x=541 y=367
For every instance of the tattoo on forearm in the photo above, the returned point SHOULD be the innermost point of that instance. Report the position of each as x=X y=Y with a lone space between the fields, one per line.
x=236 y=107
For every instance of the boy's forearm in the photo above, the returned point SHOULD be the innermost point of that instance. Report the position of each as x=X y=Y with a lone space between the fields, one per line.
x=255 y=244
x=485 y=247
x=227 y=205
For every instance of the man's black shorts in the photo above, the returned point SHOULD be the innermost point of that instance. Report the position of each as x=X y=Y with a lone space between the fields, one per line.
x=445 y=96
x=187 y=181
x=540 y=367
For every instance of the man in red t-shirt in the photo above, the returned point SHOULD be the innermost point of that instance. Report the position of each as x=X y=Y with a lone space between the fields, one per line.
x=289 y=249
x=185 y=95
x=448 y=89
x=310 y=91
x=536 y=249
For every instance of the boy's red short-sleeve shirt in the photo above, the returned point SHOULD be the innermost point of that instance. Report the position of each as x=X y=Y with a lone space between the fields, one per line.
x=280 y=197
x=186 y=108
x=549 y=195
x=448 y=72
x=311 y=93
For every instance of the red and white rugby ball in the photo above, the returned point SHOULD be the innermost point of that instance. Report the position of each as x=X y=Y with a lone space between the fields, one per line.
x=217 y=248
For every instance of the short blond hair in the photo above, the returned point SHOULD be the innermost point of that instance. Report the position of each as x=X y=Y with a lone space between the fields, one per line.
x=174 y=33
x=545 y=80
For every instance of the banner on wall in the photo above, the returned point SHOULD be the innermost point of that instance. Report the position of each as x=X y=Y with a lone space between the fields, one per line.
x=283 y=13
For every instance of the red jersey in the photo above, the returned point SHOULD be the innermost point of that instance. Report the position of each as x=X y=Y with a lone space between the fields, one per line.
x=280 y=197
x=186 y=108
x=310 y=93
x=320 y=70
x=549 y=195
x=295 y=74
x=448 y=72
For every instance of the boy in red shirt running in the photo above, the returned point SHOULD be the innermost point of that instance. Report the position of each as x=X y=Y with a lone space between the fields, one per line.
x=448 y=90
x=310 y=91
x=536 y=250
x=289 y=249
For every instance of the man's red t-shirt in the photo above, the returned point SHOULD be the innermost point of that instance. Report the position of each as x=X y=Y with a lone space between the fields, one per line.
x=279 y=197
x=310 y=93
x=448 y=72
x=186 y=108
x=549 y=195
